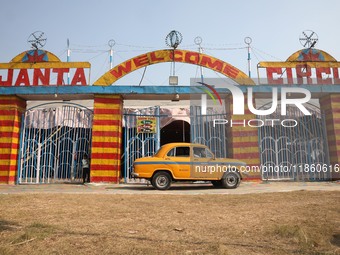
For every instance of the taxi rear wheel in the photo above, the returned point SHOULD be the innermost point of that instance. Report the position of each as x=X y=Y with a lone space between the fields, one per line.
x=161 y=180
x=231 y=180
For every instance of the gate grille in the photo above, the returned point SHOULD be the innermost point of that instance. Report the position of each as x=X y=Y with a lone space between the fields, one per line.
x=54 y=139
x=294 y=153
x=203 y=132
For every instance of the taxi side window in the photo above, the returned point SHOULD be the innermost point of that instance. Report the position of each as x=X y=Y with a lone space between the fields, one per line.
x=179 y=152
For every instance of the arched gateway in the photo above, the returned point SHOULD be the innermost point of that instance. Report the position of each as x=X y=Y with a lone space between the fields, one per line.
x=139 y=143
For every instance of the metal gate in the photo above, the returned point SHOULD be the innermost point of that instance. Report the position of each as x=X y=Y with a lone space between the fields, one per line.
x=202 y=131
x=54 y=140
x=294 y=153
x=139 y=143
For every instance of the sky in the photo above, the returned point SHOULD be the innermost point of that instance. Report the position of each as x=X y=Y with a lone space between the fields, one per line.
x=139 y=26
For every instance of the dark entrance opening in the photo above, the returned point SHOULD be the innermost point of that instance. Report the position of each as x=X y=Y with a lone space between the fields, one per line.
x=176 y=131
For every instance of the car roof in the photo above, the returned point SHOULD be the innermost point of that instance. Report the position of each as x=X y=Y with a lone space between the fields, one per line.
x=182 y=144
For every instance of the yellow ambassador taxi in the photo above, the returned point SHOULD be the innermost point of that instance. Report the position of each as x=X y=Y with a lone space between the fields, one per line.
x=188 y=162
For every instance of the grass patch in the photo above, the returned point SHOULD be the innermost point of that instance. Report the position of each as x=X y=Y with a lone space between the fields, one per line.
x=308 y=240
x=336 y=240
x=34 y=231
x=7 y=225
x=291 y=232
x=272 y=224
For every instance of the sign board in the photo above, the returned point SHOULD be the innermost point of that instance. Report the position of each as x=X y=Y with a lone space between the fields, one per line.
x=182 y=56
x=42 y=68
x=146 y=124
x=308 y=66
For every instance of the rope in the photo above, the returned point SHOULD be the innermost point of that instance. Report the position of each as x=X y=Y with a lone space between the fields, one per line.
x=253 y=49
x=142 y=76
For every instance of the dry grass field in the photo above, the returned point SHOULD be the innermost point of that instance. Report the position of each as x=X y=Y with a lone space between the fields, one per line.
x=303 y=222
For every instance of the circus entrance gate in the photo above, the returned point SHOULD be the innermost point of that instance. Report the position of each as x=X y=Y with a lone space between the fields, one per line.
x=297 y=153
x=54 y=139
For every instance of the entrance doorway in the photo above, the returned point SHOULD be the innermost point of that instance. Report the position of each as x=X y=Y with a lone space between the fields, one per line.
x=176 y=131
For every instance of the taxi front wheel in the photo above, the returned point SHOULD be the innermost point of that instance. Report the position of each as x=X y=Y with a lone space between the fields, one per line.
x=161 y=180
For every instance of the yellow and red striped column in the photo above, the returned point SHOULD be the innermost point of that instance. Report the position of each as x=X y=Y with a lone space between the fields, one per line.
x=330 y=104
x=11 y=109
x=106 y=138
x=243 y=142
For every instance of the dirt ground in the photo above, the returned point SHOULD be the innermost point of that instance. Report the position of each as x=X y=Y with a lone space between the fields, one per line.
x=299 y=222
